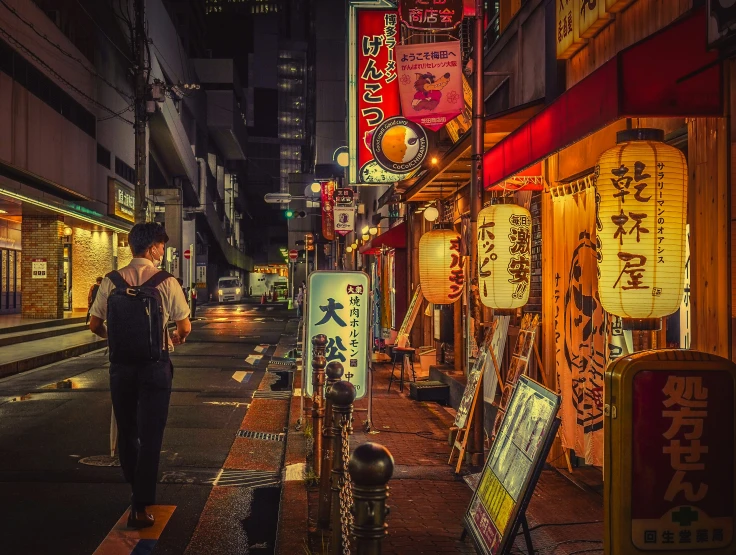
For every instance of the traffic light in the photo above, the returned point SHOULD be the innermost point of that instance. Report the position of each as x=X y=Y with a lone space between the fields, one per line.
x=288 y=214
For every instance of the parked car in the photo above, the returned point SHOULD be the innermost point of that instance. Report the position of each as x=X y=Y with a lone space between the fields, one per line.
x=229 y=289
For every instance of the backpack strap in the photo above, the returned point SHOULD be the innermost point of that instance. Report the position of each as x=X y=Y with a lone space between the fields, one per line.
x=157 y=279
x=117 y=280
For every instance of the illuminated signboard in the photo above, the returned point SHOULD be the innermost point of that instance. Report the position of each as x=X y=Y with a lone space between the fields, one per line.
x=339 y=307
x=434 y=15
x=669 y=480
x=373 y=86
x=120 y=200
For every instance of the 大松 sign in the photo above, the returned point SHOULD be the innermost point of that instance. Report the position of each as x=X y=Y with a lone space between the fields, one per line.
x=339 y=307
x=431 y=83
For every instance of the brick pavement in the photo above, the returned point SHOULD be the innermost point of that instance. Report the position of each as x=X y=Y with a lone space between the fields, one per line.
x=428 y=501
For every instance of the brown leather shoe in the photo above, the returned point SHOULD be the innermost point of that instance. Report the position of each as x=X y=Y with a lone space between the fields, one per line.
x=140 y=519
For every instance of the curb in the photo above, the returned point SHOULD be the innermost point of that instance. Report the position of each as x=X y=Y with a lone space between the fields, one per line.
x=18 y=366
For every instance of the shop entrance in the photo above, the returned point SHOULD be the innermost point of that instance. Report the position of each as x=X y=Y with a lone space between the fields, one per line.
x=10 y=276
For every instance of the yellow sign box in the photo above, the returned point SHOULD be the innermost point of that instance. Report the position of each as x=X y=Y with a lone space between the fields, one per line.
x=120 y=200
x=670 y=421
x=579 y=20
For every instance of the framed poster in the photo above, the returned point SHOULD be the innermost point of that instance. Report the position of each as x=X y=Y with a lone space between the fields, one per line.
x=338 y=306
x=512 y=468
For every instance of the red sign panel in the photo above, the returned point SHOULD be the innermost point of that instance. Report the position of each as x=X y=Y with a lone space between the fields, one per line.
x=682 y=461
x=435 y=15
x=328 y=210
x=378 y=85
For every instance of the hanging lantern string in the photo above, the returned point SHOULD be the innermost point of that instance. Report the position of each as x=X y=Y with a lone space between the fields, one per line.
x=574 y=187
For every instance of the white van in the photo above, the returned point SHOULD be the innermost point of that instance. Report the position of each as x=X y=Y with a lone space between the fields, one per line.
x=229 y=289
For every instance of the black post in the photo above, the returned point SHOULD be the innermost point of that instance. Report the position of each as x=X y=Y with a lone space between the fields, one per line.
x=319 y=343
x=371 y=467
x=334 y=373
x=342 y=395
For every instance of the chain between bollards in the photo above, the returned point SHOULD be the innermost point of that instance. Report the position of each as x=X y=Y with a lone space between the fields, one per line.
x=371 y=467
x=342 y=395
x=334 y=373
x=319 y=343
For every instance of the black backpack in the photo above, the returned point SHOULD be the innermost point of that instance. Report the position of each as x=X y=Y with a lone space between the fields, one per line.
x=135 y=320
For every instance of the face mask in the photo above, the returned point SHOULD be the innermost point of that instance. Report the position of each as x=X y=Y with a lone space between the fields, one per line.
x=157 y=258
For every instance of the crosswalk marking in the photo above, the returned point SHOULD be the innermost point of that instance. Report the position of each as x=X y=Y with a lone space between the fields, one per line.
x=240 y=376
x=122 y=540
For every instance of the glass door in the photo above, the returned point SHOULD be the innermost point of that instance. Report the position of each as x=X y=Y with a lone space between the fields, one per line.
x=67 y=296
x=9 y=280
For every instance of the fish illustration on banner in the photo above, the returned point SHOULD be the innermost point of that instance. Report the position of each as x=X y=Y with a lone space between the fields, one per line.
x=430 y=83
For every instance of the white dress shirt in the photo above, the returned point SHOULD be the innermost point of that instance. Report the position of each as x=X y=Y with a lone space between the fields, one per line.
x=140 y=270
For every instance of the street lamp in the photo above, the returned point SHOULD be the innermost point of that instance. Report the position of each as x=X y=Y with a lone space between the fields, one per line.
x=316 y=187
x=373 y=231
x=431 y=214
x=341 y=156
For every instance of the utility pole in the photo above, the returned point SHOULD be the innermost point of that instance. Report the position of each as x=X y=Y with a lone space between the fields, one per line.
x=476 y=190
x=141 y=113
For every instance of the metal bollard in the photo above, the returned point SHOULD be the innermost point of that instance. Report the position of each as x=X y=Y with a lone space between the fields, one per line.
x=342 y=395
x=334 y=373
x=318 y=410
x=370 y=467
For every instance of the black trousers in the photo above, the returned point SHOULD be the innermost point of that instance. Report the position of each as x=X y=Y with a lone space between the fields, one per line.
x=140 y=399
x=194 y=308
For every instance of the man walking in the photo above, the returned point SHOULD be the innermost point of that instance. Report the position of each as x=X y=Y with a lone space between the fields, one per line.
x=92 y=295
x=138 y=301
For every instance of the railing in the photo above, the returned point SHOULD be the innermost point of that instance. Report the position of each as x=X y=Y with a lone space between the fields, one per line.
x=352 y=489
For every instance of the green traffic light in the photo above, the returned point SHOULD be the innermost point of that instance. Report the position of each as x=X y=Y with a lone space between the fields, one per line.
x=289 y=213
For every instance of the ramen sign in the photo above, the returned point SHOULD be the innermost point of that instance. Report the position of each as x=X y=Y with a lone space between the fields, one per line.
x=399 y=145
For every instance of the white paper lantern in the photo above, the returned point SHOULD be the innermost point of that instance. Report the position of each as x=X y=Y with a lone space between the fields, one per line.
x=642 y=207
x=441 y=266
x=504 y=255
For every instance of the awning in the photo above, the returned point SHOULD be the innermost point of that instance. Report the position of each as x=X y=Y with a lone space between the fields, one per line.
x=394 y=238
x=453 y=168
x=668 y=74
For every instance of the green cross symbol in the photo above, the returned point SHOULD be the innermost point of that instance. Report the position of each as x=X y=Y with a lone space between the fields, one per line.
x=685 y=516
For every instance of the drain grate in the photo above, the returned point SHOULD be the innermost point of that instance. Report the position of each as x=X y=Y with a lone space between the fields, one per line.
x=272 y=395
x=282 y=361
x=261 y=435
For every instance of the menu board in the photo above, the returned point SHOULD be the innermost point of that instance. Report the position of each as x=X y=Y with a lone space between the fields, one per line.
x=471 y=387
x=513 y=467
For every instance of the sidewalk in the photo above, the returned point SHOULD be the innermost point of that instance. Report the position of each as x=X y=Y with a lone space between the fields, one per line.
x=428 y=501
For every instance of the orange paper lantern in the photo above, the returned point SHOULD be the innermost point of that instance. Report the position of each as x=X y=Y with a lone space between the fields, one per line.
x=504 y=255
x=441 y=266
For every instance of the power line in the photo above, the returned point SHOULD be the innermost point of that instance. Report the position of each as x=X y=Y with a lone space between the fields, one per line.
x=103 y=32
x=116 y=114
x=59 y=77
x=64 y=52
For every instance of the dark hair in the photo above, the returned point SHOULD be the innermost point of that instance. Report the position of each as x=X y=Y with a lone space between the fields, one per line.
x=143 y=236
x=99 y=280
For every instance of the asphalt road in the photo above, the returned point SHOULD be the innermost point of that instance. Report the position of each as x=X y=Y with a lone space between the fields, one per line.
x=53 y=504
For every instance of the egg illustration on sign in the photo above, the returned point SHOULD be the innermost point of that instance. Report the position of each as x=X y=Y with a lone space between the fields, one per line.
x=399 y=145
